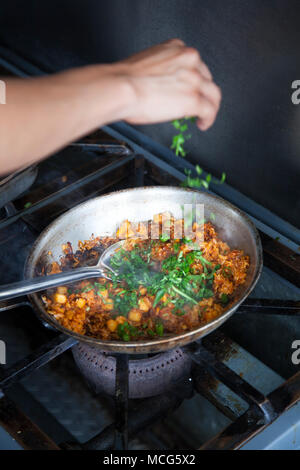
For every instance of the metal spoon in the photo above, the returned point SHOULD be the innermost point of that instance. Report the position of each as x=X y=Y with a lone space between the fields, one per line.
x=28 y=286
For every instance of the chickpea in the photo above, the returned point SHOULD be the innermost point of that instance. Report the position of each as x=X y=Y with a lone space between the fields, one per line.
x=143 y=290
x=108 y=305
x=60 y=298
x=111 y=325
x=145 y=304
x=134 y=315
x=104 y=293
x=80 y=302
x=120 y=319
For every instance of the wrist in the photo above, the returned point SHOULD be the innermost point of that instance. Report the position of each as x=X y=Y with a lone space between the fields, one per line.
x=103 y=92
x=124 y=93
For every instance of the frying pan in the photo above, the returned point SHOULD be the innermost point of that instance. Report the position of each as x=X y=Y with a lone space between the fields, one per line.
x=102 y=216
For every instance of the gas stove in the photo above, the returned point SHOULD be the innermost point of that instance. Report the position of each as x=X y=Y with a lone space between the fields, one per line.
x=237 y=388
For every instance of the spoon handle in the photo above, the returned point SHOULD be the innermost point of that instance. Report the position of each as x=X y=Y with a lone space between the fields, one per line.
x=28 y=286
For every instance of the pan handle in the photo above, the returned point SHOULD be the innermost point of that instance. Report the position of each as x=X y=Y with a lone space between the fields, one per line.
x=37 y=284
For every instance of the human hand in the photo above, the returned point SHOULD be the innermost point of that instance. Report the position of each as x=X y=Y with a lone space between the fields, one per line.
x=170 y=81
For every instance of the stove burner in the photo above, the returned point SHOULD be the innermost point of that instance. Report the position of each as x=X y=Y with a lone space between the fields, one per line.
x=147 y=376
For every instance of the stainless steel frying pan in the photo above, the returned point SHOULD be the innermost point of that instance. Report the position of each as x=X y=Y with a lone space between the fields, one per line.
x=102 y=215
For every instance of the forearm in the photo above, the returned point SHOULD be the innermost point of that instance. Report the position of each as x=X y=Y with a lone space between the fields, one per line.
x=168 y=81
x=42 y=115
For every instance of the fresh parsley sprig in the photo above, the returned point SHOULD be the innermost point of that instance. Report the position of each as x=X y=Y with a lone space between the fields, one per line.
x=178 y=143
x=197 y=182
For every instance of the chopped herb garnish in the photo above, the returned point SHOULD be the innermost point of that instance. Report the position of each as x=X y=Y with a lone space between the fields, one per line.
x=181 y=125
x=87 y=288
x=126 y=331
x=164 y=237
x=183 y=294
x=159 y=329
x=176 y=278
x=224 y=298
x=176 y=247
x=100 y=286
x=226 y=271
x=158 y=297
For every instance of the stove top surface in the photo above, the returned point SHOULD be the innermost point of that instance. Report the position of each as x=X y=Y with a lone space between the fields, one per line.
x=56 y=397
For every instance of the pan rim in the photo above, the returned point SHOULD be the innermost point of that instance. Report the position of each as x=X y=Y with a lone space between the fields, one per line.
x=168 y=342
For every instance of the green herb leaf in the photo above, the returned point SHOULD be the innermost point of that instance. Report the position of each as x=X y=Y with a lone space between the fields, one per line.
x=159 y=329
x=158 y=297
x=164 y=237
x=183 y=294
x=87 y=288
x=224 y=298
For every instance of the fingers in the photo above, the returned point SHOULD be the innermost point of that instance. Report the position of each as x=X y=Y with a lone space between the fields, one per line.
x=203 y=86
x=209 y=104
x=206 y=112
x=173 y=42
x=169 y=81
x=204 y=70
x=212 y=92
x=207 y=93
x=158 y=55
x=190 y=58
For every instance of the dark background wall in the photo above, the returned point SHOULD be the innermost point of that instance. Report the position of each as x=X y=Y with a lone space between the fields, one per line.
x=251 y=46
